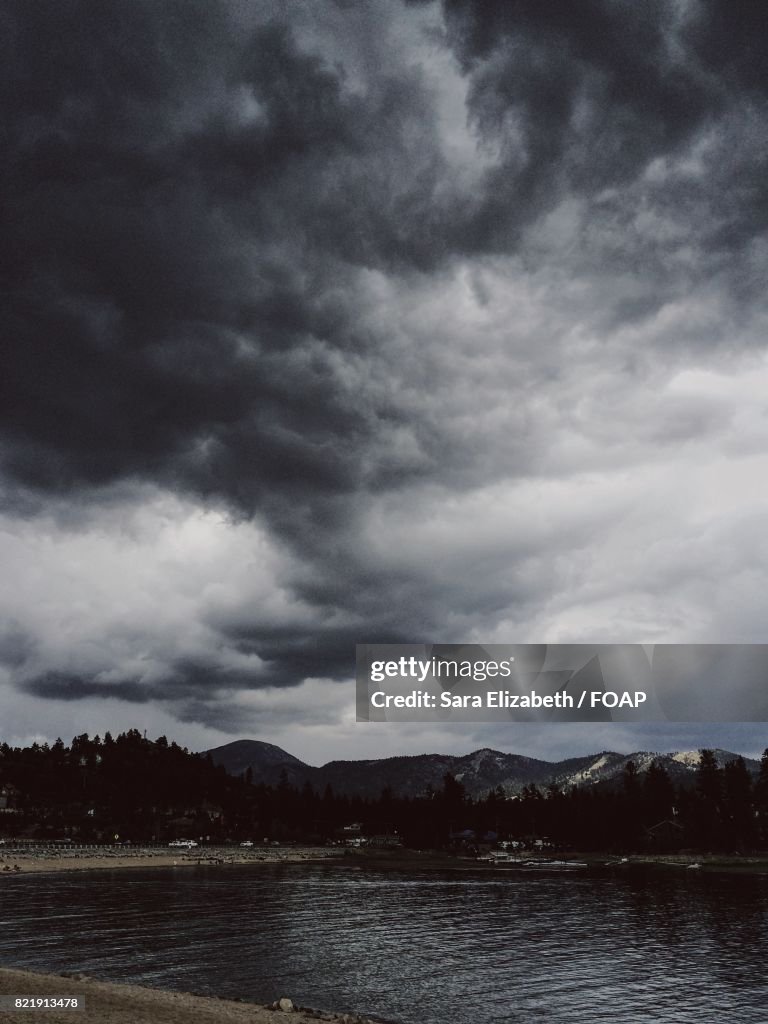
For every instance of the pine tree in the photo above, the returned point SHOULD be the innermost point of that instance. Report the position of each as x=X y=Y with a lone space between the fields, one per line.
x=707 y=809
x=761 y=799
x=658 y=793
x=737 y=804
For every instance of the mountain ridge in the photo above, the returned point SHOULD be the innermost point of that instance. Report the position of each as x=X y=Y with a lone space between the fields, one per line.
x=479 y=772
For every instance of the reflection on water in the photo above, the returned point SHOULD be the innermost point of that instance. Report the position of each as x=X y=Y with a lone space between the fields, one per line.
x=427 y=948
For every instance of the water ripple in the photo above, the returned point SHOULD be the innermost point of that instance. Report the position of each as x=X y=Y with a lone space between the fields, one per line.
x=426 y=949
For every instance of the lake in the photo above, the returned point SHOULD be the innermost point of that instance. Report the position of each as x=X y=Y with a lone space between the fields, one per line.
x=412 y=948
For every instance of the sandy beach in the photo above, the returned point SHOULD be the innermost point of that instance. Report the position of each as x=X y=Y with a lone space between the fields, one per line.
x=37 y=859
x=106 y=1003
x=15 y=860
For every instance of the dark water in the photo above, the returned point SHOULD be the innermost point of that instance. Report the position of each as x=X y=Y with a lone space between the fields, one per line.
x=427 y=949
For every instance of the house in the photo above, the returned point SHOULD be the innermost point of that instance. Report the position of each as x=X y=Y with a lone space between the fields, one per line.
x=665 y=836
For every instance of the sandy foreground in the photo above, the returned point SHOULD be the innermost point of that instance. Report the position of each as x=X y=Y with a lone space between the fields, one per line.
x=106 y=1003
x=15 y=861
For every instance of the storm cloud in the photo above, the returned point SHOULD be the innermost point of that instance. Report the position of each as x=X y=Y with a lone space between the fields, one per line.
x=388 y=321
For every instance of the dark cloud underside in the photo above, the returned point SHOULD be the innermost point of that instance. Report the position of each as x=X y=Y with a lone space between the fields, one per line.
x=201 y=201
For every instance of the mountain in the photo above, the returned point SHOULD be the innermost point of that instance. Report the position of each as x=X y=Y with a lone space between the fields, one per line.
x=268 y=763
x=479 y=772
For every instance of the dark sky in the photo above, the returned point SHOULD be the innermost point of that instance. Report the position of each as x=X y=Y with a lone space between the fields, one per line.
x=373 y=322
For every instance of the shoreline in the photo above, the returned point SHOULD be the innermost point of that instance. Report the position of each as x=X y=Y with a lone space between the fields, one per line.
x=15 y=862
x=20 y=861
x=108 y=1002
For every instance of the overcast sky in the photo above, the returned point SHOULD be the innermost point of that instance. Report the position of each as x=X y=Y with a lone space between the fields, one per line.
x=343 y=322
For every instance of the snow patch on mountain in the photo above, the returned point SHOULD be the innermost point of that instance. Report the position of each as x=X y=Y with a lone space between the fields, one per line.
x=690 y=758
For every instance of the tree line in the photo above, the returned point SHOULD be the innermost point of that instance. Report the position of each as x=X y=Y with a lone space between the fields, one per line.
x=141 y=790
